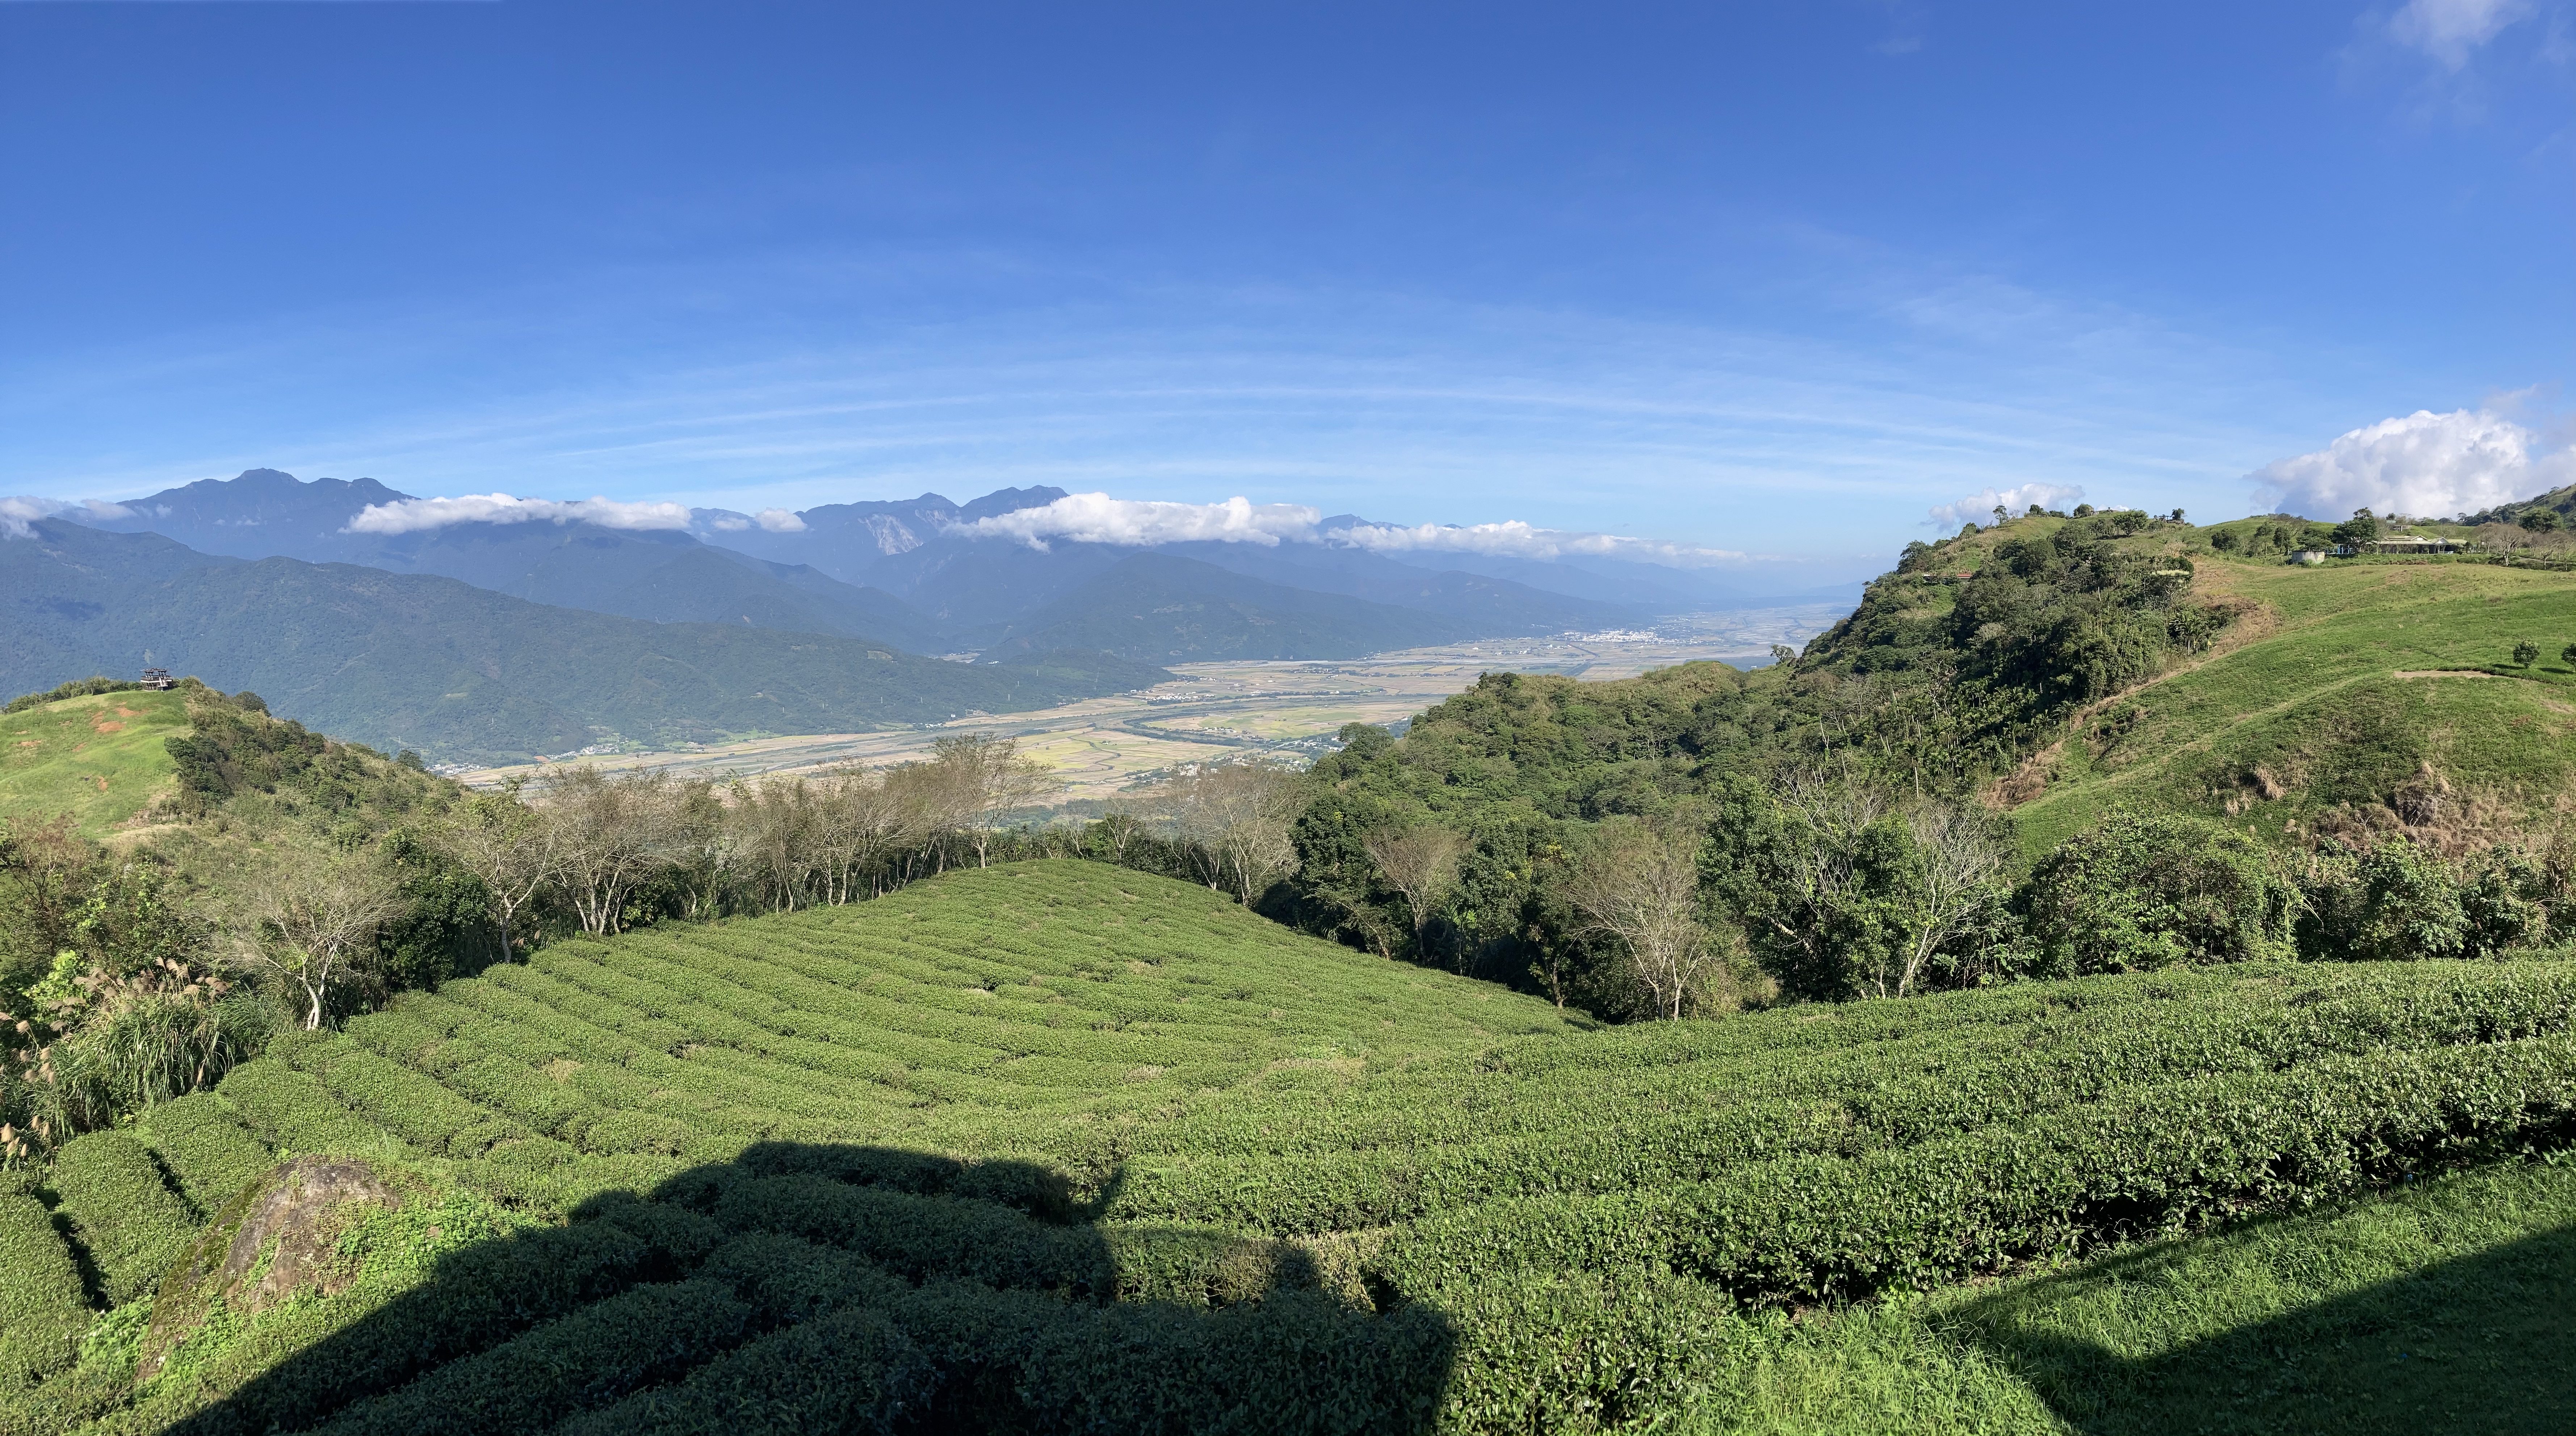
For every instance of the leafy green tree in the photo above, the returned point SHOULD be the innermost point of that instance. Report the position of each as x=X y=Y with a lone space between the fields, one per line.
x=2525 y=653
x=2567 y=655
x=2143 y=890
x=2361 y=528
x=2541 y=521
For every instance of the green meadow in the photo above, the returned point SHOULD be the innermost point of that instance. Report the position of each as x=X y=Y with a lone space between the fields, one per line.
x=100 y=758
x=2339 y=686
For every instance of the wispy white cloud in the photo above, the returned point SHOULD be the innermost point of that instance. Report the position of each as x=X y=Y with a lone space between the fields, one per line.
x=16 y=513
x=1981 y=505
x=726 y=521
x=2450 y=31
x=416 y=515
x=1514 y=539
x=2425 y=464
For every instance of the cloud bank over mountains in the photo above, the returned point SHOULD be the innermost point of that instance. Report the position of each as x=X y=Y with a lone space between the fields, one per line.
x=1098 y=518
x=1076 y=518
x=2427 y=465
x=19 y=511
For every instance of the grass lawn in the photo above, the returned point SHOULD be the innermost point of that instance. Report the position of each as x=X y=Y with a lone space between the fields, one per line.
x=99 y=758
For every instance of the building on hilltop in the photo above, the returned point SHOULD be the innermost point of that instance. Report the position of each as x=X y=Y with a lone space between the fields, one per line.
x=158 y=678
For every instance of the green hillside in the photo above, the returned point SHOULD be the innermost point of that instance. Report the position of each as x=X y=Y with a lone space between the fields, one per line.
x=1058 y=1146
x=101 y=759
x=2375 y=694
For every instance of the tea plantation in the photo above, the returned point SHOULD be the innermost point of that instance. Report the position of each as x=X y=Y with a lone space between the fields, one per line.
x=1061 y=1147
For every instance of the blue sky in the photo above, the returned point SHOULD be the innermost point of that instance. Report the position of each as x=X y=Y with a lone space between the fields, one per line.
x=1779 y=279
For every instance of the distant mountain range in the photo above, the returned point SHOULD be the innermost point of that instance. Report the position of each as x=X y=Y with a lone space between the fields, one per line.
x=494 y=627
x=419 y=661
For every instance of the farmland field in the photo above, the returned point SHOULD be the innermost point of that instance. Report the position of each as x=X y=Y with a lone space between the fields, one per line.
x=1288 y=708
x=1058 y=1146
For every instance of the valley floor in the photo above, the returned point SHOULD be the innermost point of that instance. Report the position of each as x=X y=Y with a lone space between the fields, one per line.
x=1213 y=710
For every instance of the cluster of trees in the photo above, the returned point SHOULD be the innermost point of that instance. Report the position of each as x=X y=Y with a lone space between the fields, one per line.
x=601 y=852
x=1799 y=886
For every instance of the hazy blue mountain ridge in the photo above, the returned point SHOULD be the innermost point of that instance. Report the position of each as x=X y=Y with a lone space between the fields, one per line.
x=422 y=661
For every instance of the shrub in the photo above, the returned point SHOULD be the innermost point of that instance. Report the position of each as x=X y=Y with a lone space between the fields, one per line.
x=2396 y=903
x=589 y=1358
x=42 y=1310
x=202 y=1139
x=2140 y=891
x=2525 y=653
x=130 y=1222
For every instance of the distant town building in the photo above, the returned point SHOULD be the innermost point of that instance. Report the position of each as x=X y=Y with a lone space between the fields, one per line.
x=159 y=678
x=2414 y=543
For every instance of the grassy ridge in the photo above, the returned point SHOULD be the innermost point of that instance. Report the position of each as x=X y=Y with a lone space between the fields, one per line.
x=100 y=759
x=1030 y=1138
x=2303 y=709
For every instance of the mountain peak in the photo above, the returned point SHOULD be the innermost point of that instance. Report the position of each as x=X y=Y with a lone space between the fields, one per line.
x=1004 y=501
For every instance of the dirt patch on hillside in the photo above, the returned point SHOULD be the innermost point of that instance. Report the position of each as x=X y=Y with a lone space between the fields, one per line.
x=2025 y=782
x=2433 y=812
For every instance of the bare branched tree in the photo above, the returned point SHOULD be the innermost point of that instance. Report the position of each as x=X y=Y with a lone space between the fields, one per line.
x=310 y=920
x=935 y=802
x=1639 y=885
x=1834 y=812
x=860 y=818
x=509 y=847
x=611 y=834
x=1238 y=821
x=1957 y=862
x=1422 y=864
x=1119 y=825
x=775 y=830
x=701 y=846
x=992 y=780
